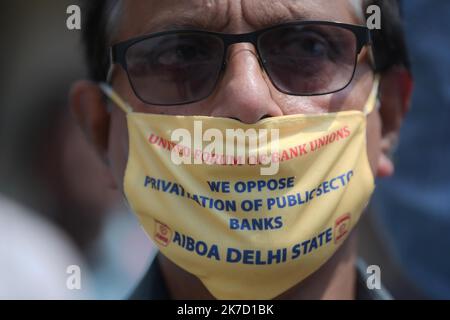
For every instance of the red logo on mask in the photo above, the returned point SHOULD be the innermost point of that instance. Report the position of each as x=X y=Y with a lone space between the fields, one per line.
x=163 y=234
x=341 y=227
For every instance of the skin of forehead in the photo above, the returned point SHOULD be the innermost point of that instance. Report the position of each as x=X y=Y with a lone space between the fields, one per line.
x=236 y=16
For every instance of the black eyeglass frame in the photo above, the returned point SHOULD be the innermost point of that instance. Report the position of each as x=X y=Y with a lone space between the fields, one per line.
x=117 y=52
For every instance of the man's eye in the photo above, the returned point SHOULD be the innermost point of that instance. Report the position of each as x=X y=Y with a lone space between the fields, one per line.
x=305 y=45
x=312 y=46
x=180 y=54
x=299 y=45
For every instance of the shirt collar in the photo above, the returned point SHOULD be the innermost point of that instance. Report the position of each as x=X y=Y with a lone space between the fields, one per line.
x=153 y=287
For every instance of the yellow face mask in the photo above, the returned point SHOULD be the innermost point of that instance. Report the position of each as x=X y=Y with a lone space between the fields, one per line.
x=244 y=234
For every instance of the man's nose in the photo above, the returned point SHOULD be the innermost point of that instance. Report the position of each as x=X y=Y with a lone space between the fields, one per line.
x=244 y=91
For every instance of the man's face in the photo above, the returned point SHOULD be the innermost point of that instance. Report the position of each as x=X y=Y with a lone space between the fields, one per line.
x=244 y=91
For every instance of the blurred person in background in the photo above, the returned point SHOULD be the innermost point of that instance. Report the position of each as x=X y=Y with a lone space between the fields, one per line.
x=65 y=212
x=35 y=256
x=411 y=211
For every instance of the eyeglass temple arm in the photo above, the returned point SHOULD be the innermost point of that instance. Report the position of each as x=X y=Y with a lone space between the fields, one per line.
x=111 y=66
x=109 y=91
x=370 y=49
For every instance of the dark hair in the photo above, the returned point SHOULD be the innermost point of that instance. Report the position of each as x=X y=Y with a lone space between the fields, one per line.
x=389 y=43
x=95 y=36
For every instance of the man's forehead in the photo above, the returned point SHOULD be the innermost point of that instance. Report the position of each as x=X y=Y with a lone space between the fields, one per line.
x=234 y=16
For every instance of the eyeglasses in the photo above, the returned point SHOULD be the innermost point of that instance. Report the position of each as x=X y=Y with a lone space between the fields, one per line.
x=304 y=58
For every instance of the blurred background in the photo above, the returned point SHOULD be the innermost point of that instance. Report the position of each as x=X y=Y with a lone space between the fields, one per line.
x=57 y=206
x=407 y=231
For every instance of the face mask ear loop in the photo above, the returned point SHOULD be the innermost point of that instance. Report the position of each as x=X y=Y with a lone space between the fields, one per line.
x=118 y=101
x=373 y=101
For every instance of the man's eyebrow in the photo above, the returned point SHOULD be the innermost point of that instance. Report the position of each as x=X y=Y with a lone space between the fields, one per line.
x=166 y=23
x=272 y=20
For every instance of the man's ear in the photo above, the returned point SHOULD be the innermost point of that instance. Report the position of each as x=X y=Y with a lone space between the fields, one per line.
x=395 y=96
x=89 y=108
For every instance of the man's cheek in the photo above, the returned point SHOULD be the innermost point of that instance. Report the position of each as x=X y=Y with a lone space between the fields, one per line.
x=118 y=148
x=373 y=140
